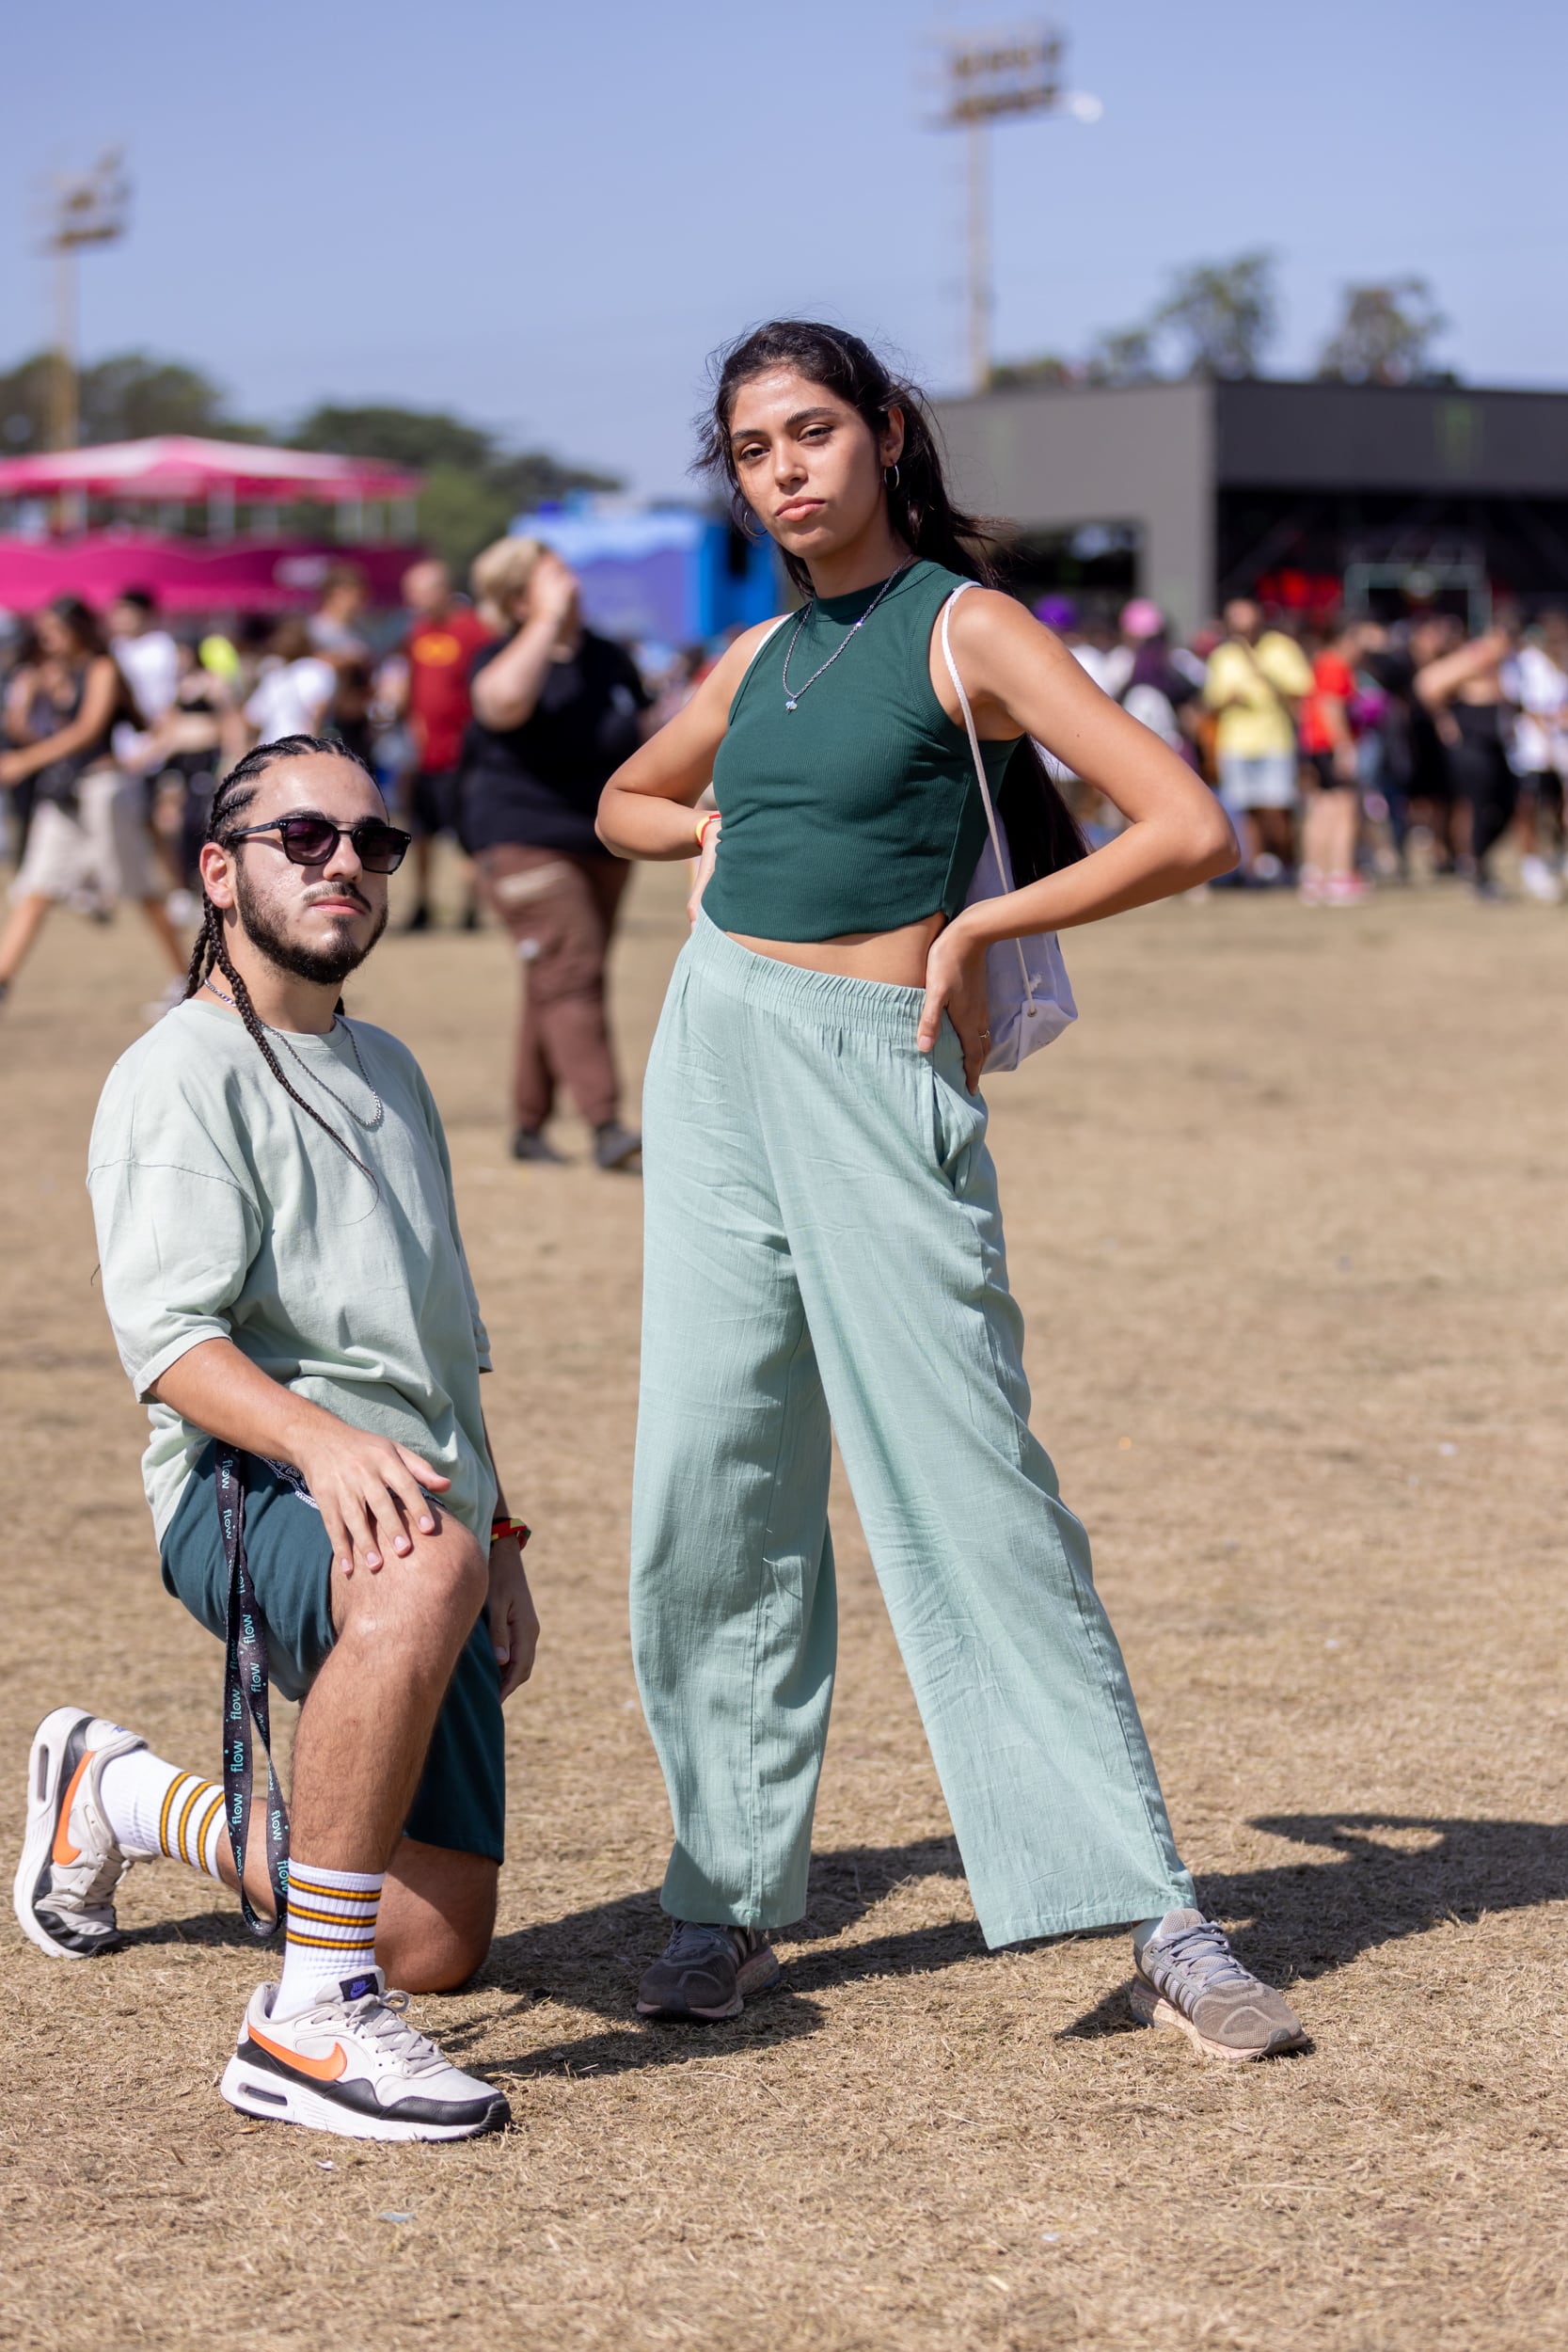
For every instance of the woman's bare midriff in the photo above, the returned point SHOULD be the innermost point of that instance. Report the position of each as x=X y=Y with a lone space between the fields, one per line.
x=897 y=956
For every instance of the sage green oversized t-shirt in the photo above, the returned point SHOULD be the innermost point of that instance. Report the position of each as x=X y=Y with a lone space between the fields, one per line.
x=224 y=1212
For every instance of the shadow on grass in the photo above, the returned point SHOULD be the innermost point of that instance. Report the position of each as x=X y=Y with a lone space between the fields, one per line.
x=1391 y=1875
x=1377 y=1878
x=592 y=1961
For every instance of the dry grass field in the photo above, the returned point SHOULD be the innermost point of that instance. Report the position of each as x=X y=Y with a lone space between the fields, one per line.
x=1286 y=1218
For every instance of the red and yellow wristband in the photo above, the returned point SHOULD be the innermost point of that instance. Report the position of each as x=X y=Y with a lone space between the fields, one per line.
x=500 y=1528
x=709 y=817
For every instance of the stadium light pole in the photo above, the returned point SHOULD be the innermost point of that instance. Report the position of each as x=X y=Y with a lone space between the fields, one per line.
x=91 y=209
x=992 y=77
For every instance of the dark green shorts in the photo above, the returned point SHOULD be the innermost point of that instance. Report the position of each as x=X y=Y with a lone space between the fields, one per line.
x=461 y=1799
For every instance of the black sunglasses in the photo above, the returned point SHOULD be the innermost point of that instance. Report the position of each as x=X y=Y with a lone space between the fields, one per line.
x=312 y=840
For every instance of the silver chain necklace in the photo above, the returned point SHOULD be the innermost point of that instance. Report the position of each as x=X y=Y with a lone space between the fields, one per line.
x=379 y=1113
x=791 y=699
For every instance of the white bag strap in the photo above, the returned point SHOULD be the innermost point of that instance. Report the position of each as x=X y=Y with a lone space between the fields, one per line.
x=763 y=642
x=980 y=775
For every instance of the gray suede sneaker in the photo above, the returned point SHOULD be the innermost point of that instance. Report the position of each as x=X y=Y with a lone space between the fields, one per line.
x=706 y=1972
x=1188 y=1976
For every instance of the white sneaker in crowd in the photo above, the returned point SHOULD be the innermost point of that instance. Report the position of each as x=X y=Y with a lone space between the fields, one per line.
x=1538 y=880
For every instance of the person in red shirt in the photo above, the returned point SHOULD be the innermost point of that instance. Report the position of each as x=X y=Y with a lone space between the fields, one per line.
x=438 y=648
x=1331 y=778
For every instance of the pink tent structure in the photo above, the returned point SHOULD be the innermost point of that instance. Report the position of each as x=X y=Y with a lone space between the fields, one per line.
x=177 y=465
x=220 y=568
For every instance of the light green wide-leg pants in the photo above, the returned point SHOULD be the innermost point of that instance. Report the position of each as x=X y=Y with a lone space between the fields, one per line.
x=824 y=1244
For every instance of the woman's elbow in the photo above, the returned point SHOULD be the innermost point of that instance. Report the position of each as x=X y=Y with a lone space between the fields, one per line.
x=1214 y=849
x=604 y=823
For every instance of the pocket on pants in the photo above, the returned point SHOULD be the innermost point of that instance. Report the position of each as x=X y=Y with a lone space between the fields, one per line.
x=957 y=1118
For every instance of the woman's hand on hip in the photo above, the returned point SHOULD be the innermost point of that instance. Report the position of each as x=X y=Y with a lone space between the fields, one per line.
x=706 y=864
x=955 y=984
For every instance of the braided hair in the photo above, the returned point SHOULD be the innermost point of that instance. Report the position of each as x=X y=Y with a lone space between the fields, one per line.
x=229 y=802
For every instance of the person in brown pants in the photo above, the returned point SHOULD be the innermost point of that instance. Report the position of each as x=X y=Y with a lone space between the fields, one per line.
x=560 y=911
x=556 y=709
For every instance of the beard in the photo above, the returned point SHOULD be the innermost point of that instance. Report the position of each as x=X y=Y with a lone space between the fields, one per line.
x=325 y=967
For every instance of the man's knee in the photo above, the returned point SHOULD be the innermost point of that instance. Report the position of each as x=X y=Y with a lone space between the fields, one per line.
x=437 y=1590
x=456 y=1572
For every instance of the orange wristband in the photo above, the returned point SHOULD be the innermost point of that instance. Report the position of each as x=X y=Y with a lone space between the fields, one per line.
x=709 y=817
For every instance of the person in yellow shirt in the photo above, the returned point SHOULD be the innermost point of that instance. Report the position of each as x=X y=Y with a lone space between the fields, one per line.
x=1256 y=677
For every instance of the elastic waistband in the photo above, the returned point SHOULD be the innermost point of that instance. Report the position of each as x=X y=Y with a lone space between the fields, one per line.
x=874 y=1008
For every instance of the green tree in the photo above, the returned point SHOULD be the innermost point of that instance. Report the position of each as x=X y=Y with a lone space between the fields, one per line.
x=417 y=437
x=1384 y=336
x=1125 y=355
x=122 y=398
x=473 y=486
x=459 y=512
x=1014 y=374
x=1222 y=315
x=25 y=406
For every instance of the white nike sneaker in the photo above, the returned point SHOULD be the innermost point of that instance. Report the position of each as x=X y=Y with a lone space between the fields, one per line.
x=71 y=1861
x=353 y=2065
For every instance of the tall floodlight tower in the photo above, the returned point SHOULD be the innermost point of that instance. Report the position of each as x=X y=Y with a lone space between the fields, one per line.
x=91 y=209
x=990 y=76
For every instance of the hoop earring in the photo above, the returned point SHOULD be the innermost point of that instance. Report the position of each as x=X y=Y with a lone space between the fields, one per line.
x=889 y=475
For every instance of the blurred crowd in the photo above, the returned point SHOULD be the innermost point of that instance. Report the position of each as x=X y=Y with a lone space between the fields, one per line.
x=1352 y=751
x=492 y=724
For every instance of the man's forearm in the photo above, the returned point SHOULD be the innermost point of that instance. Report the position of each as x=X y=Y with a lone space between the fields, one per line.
x=218 y=1388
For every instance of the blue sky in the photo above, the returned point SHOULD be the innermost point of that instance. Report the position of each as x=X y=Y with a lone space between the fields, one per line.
x=546 y=217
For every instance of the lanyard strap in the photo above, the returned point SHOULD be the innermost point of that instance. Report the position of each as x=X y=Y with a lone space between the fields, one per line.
x=245 y=1703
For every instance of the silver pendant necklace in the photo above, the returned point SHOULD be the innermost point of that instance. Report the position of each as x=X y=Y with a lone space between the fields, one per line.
x=379 y=1113
x=792 y=698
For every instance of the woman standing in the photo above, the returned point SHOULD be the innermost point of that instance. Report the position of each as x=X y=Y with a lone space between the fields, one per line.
x=823 y=1235
x=88 y=833
x=556 y=709
x=1464 y=691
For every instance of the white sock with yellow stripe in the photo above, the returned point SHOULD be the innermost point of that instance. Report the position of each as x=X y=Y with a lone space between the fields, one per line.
x=331 y=1931
x=153 y=1808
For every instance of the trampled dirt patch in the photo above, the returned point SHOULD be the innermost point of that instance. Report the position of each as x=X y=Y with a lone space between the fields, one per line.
x=1287 y=1220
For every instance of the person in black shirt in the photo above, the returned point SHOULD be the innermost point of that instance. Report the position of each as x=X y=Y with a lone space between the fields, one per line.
x=556 y=710
x=1416 y=776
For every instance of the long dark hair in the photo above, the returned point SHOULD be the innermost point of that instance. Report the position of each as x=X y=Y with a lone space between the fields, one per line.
x=83 y=622
x=229 y=802
x=93 y=645
x=1043 y=833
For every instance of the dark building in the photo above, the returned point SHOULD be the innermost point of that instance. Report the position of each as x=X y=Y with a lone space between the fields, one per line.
x=1193 y=492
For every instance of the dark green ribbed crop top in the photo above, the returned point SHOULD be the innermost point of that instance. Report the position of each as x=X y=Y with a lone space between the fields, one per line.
x=858 y=810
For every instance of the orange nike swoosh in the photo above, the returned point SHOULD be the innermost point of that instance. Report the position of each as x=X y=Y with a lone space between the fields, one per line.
x=63 y=1851
x=324 y=2070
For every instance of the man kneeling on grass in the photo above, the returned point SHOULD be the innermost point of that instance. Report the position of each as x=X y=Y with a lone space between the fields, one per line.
x=283 y=1270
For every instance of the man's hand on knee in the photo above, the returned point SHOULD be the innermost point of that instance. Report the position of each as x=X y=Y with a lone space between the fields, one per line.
x=373 y=1494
